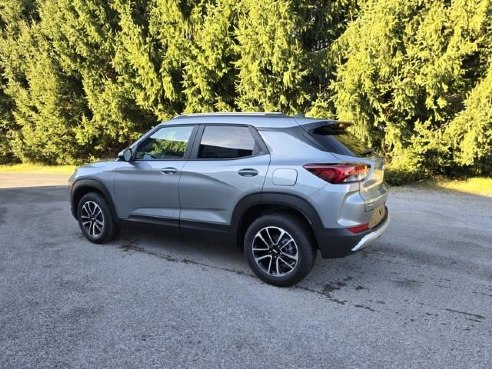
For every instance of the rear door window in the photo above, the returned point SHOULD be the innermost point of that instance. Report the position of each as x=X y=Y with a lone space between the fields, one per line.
x=226 y=142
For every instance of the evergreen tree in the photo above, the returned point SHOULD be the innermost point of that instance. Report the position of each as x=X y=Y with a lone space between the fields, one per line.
x=7 y=123
x=80 y=79
x=209 y=71
x=35 y=88
x=403 y=70
x=272 y=65
x=470 y=133
x=83 y=34
x=13 y=14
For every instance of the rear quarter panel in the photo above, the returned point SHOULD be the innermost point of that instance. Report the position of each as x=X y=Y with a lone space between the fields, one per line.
x=338 y=206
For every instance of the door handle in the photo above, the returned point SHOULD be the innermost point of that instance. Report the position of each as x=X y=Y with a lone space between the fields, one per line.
x=169 y=170
x=247 y=172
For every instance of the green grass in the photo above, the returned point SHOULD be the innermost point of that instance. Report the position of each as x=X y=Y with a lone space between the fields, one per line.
x=477 y=186
x=35 y=168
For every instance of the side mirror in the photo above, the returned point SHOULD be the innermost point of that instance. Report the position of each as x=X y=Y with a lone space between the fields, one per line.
x=126 y=155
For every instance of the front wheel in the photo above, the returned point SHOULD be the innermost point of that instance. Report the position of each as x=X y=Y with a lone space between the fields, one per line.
x=95 y=218
x=279 y=249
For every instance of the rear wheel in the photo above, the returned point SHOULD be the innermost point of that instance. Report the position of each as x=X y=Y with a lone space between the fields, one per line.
x=279 y=249
x=95 y=218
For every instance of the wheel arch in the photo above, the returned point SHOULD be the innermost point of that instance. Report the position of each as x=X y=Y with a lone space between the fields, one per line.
x=252 y=206
x=84 y=186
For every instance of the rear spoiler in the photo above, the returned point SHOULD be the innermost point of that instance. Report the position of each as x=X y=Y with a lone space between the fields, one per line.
x=326 y=127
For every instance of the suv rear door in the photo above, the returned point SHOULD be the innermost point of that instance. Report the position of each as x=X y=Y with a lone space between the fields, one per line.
x=228 y=162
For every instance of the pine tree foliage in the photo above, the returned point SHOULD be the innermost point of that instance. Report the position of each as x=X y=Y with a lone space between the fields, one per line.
x=41 y=94
x=80 y=34
x=469 y=134
x=404 y=69
x=7 y=123
x=12 y=15
x=80 y=79
x=209 y=72
x=272 y=64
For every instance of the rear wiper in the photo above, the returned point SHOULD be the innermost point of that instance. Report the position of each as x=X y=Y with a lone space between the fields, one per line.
x=367 y=151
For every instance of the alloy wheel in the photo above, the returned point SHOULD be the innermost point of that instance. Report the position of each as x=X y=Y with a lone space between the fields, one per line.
x=92 y=218
x=275 y=251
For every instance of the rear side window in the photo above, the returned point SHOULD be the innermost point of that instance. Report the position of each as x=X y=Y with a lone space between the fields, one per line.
x=338 y=141
x=226 y=142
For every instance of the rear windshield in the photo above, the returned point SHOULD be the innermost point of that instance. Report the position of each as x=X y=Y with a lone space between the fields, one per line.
x=338 y=140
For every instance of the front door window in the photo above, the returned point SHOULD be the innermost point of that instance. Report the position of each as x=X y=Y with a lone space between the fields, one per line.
x=168 y=143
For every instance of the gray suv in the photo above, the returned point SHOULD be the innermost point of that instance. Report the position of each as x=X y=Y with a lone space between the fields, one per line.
x=280 y=187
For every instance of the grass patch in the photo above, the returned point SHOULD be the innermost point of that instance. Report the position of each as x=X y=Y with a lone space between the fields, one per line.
x=476 y=186
x=35 y=168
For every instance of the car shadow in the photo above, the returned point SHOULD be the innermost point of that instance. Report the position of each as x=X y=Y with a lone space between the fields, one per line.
x=135 y=236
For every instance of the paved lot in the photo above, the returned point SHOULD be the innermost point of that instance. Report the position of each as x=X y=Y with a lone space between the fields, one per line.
x=10 y=180
x=419 y=297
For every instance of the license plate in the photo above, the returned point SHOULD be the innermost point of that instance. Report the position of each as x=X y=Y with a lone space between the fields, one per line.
x=377 y=216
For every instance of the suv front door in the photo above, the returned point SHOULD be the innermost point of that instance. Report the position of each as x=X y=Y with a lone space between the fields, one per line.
x=228 y=162
x=148 y=186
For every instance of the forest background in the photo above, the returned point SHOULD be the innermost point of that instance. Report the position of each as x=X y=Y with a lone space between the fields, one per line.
x=81 y=79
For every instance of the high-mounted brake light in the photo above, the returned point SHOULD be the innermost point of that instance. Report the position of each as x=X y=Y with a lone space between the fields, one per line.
x=339 y=173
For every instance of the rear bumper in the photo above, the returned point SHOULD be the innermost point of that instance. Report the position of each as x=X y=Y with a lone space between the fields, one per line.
x=372 y=236
x=337 y=243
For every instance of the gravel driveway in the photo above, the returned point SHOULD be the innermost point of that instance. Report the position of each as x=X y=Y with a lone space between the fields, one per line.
x=421 y=296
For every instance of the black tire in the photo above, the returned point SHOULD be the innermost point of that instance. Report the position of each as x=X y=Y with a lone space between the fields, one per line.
x=95 y=218
x=296 y=234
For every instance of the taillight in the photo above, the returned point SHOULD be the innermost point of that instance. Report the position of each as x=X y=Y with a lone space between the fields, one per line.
x=339 y=173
